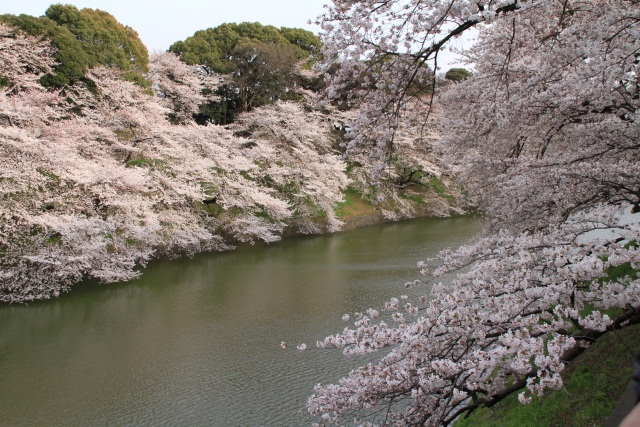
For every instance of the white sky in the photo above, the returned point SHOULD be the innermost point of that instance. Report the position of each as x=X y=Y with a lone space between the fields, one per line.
x=160 y=23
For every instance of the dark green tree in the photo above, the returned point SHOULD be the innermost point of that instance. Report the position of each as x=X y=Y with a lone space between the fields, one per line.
x=264 y=73
x=457 y=74
x=105 y=41
x=214 y=47
x=103 y=38
x=262 y=33
x=206 y=48
x=260 y=60
x=306 y=42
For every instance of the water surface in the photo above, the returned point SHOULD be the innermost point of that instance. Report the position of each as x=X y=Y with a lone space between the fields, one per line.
x=195 y=342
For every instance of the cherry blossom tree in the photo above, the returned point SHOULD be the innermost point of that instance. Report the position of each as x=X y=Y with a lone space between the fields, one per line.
x=544 y=138
x=412 y=178
x=289 y=135
x=179 y=86
x=24 y=60
x=96 y=180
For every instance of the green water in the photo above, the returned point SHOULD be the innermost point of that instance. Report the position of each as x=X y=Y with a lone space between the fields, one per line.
x=196 y=342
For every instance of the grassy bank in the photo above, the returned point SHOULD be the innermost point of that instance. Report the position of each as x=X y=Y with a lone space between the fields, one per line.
x=593 y=384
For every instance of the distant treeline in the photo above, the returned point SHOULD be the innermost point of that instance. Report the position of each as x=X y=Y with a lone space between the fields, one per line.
x=258 y=60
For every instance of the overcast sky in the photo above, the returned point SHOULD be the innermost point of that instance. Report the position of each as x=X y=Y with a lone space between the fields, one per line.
x=160 y=23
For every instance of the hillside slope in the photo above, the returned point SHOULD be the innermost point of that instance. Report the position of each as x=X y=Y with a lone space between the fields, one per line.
x=96 y=179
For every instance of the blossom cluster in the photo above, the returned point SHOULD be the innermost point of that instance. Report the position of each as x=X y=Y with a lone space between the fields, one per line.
x=543 y=137
x=95 y=180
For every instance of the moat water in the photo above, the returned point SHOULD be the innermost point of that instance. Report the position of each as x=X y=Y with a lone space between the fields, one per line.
x=196 y=342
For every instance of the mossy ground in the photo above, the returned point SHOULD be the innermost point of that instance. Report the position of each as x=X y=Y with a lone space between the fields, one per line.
x=354 y=205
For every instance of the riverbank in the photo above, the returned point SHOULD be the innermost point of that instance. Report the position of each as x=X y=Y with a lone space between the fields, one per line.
x=100 y=195
x=594 y=383
x=353 y=212
x=430 y=198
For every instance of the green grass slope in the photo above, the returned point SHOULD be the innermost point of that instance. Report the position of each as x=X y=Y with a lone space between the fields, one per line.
x=593 y=384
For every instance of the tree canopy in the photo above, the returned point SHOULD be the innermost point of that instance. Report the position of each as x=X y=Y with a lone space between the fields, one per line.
x=260 y=61
x=457 y=74
x=103 y=38
x=214 y=47
x=544 y=137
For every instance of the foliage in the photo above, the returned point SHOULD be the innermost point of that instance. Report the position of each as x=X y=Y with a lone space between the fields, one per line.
x=105 y=41
x=260 y=60
x=214 y=47
x=264 y=73
x=307 y=42
x=544 y=137
x=457 y=74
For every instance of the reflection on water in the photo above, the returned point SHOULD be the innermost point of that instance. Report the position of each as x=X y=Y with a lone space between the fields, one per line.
x=196 y=341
